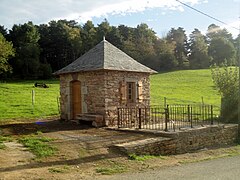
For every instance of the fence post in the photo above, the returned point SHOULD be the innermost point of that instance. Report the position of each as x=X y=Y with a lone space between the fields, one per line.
x=191 y=117
x=165 y=102
x=118 y=113
x=188 y=111
x=58 y=100
x=211 y=114
x=33 y=97
x=33 y=100
x=166 y=117
x=139 y=118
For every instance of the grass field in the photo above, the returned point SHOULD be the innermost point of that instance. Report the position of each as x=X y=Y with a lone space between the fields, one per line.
x=179 y=87
x=184 y=87
x=16 y=100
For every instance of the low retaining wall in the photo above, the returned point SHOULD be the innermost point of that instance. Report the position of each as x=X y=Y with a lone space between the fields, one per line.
x=186 y=140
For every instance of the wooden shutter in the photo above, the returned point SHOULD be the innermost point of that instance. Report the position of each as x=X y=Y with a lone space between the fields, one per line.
x=139 y=91
x=123 y=93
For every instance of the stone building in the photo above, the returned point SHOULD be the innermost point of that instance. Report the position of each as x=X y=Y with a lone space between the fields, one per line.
x=100 y=81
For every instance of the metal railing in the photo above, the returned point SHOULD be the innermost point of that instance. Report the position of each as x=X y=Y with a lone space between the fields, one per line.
x=167 y=118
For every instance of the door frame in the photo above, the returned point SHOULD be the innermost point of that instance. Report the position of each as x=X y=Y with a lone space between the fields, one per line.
x=72 y=98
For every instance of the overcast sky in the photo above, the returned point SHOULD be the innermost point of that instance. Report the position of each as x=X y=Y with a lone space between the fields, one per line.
x=160 y=15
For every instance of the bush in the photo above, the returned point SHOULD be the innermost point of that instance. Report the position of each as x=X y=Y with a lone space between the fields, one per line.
x=226 y=79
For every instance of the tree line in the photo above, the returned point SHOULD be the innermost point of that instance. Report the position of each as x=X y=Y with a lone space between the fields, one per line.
x=35 y=51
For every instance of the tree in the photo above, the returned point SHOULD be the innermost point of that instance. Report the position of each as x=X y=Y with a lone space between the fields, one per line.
x=198 y=48
x=103 y=29
x=226 y=79
x=222 y=51
x=144 y=41
x=6 y=51
x=25 y=40
x=165 y=54
x=179 y=37
x=3 y=31
x=61 y=43
x=89 y=36
x=221 y=47
x=215 y=31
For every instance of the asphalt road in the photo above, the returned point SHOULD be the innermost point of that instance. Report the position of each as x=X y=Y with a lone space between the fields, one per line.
x=217 y=169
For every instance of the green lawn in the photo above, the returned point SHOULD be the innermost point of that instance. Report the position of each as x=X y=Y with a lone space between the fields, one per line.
x=16 y=99
x=179 y=87
x=184 y=87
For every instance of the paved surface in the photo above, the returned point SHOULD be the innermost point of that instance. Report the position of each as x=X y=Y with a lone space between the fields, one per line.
x=218 y=169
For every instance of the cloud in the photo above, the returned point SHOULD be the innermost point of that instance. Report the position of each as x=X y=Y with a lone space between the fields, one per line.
x=42 y=11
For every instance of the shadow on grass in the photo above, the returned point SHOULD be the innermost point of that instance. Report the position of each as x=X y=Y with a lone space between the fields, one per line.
x=43 y=126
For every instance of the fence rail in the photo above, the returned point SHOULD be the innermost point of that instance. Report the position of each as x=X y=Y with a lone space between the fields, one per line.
x=167 y=118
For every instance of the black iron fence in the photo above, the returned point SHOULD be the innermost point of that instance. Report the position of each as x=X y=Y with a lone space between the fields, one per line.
x=167 y=118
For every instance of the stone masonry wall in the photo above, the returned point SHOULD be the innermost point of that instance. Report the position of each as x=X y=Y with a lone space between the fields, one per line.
x=100 y=92
x=92 y=93
x=183 y=141
x=112 y=96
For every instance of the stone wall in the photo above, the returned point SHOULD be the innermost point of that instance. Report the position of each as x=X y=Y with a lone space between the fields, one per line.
x=183 y=141
x=112 y=96
x=92 y=93
x=100 y=92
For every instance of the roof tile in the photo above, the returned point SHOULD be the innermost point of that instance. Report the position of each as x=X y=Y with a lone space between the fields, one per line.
x=105 y=56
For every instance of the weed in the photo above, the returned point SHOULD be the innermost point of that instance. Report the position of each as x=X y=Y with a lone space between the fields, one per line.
x=111 y=170
x=111 y=167
x=82 y=152
x=38 y=145
x=143 y=157
x=59 y=169
x=2 y=146
x=4 y=138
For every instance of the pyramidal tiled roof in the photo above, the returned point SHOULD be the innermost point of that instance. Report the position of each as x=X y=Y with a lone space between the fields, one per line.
x=105 y=56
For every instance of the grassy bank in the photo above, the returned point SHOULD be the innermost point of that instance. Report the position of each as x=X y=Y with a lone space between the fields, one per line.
x=184 y=87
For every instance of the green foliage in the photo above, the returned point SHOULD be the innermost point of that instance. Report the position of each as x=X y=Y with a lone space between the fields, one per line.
x=222 y=51
x=180 y=38
x=114 y=169
x=25 y=40
x=45 y=71
x=6 y=51
x=226 y=79
x=16 y=100
x=50 y=47
x=38 y=145
x=4 y=138
x=143 y=157
x=198 y=51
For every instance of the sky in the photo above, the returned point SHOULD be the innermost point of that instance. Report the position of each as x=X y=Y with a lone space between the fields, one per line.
x=160 y=15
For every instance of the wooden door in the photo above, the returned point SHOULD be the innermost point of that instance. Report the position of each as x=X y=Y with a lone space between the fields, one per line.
x=76 y=98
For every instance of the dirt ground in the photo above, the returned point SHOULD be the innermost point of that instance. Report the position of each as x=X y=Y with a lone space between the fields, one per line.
x=82 y=152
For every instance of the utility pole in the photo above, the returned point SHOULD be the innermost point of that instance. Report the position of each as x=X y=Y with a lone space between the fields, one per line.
x=239 y=82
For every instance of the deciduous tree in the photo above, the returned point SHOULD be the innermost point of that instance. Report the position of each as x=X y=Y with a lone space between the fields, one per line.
x=6 y=51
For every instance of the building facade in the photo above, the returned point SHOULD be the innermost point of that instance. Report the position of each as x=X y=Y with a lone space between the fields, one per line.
x=102 y=80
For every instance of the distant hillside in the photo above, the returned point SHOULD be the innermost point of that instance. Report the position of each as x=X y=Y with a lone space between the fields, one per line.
x=184 y=87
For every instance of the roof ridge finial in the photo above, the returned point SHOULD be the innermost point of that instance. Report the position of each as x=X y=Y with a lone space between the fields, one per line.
x=104 y=39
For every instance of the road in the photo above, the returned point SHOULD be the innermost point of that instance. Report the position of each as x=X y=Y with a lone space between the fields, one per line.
x=217 y=169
